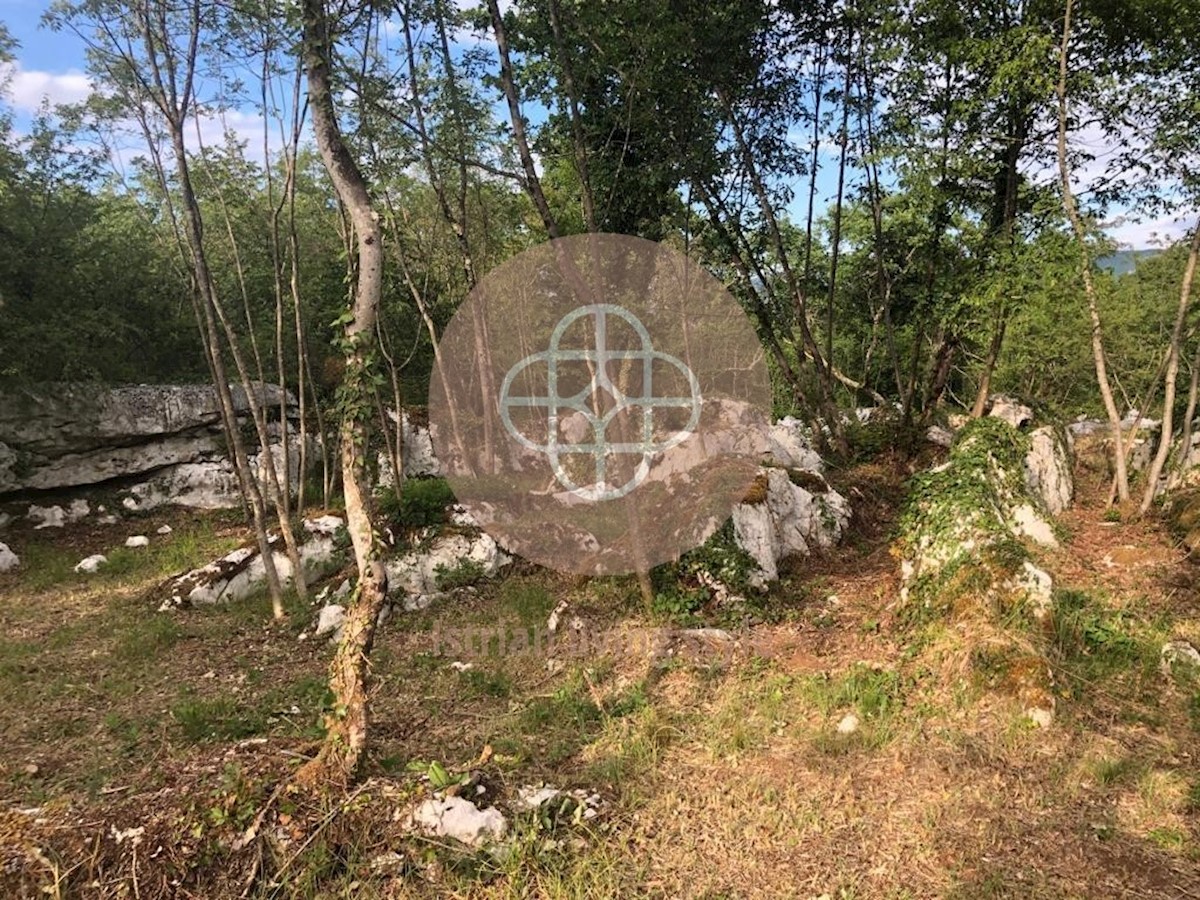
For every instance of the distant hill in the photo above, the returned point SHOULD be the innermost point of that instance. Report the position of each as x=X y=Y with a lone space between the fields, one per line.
x=1124 y=261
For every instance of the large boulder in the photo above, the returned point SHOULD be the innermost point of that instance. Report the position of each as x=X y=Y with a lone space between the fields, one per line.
x=1048 y=466
x=242 y=572
x=788 y=512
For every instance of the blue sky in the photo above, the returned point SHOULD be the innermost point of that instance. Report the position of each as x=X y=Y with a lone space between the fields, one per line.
x=51 y=65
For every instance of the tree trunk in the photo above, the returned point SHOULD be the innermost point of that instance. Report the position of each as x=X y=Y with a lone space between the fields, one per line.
x=347 y=724
x=1089 y=287
x=1165 y=433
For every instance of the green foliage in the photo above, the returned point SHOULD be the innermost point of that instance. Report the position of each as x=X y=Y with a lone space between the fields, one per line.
x=422 y=504
x=462 y=574
x=679 y=591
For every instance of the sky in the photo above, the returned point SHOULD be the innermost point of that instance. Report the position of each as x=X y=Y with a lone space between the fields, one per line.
x=51 y=66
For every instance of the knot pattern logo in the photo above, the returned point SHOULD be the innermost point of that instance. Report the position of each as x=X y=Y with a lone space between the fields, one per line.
x=637 y=407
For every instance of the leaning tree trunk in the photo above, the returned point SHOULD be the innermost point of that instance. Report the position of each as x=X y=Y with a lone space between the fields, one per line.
x=1168 y=423
x=1089 y=286
x=347 y=725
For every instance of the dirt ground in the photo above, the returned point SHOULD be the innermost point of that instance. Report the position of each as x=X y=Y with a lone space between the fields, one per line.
x=147 y=754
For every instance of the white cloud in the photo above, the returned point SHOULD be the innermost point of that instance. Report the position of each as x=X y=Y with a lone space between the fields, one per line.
x=1152 y=233
x=26 y=89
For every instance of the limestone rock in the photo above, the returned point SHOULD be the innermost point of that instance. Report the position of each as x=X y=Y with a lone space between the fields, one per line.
x=90 y=565
x=789 y=446
x=1048 y=469
x=789 y=519
x=241 y=572
x=459 y=818
x=1179 y=656
x=330 y=619
x=137 y=540
x=8 y=559
x=1011 y=411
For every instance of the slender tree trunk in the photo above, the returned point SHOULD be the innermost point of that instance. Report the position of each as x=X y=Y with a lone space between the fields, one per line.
x=347 y=725
x=1167 y=431
x=1089 y=287
x=533 y=183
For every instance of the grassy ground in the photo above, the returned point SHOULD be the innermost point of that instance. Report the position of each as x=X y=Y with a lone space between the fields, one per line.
x=723 y=774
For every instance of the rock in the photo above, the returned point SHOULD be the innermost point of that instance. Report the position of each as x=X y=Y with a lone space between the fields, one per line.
x=416 y=572
x=91 y=564
x=1179 y=656
x=326 y=525
x=164 y=529
x=47 y=517
x=789 y=446
x=107 y=520
x=5 y=520
x=1011 y=411
x=330 y=619
x=70 y=435
x=1041 y=716
x=952 y=523
x=532 y=797
x=552 y=622
x=241 y=572
x=848 y=725
x=943 y=437
x=1048 y=469
x=8 y=559
x=459 y=818
x=1030 y=523
x=1037 y=587
x=138 y=540
x=418 y=459
x=783 y=518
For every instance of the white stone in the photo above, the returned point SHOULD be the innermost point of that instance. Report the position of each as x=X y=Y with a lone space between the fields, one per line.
x=327 y=525
x=47 y=517
x=848 y=725
x=1179 y=655
x=1048 y=470
x=330 y=619
x=91 y=564
x=936 y=434
x=1040 y=716
x=530 y=797
x=791 y=520
x=239 y=573
x=137 y=540
x=1011 y=411
x=416 y=572
x=552 y=622
x=165 y=529
x=5 y=520
x=789 y=446
x=1038 y=588
x=8 y=559
x=459 y=818
x=110 y=519
x=1031 y=524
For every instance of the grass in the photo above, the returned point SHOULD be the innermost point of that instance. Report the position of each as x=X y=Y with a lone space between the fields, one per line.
x=717 y=781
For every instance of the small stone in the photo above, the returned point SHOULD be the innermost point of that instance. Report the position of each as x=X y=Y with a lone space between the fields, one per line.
x=8 y=559
x=1176 y=656
x=552 y=622
x=137 y=540
x=165 y=529
x=532 y=797
x=848 y=725
x=462 y=666
x=47 y=516
x=32 y=769
x=91 y=564
x=107 y=520
x=330 y=619
x=1040 y=716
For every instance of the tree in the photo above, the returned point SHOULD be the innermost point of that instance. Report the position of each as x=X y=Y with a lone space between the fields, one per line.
x=347 y=724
